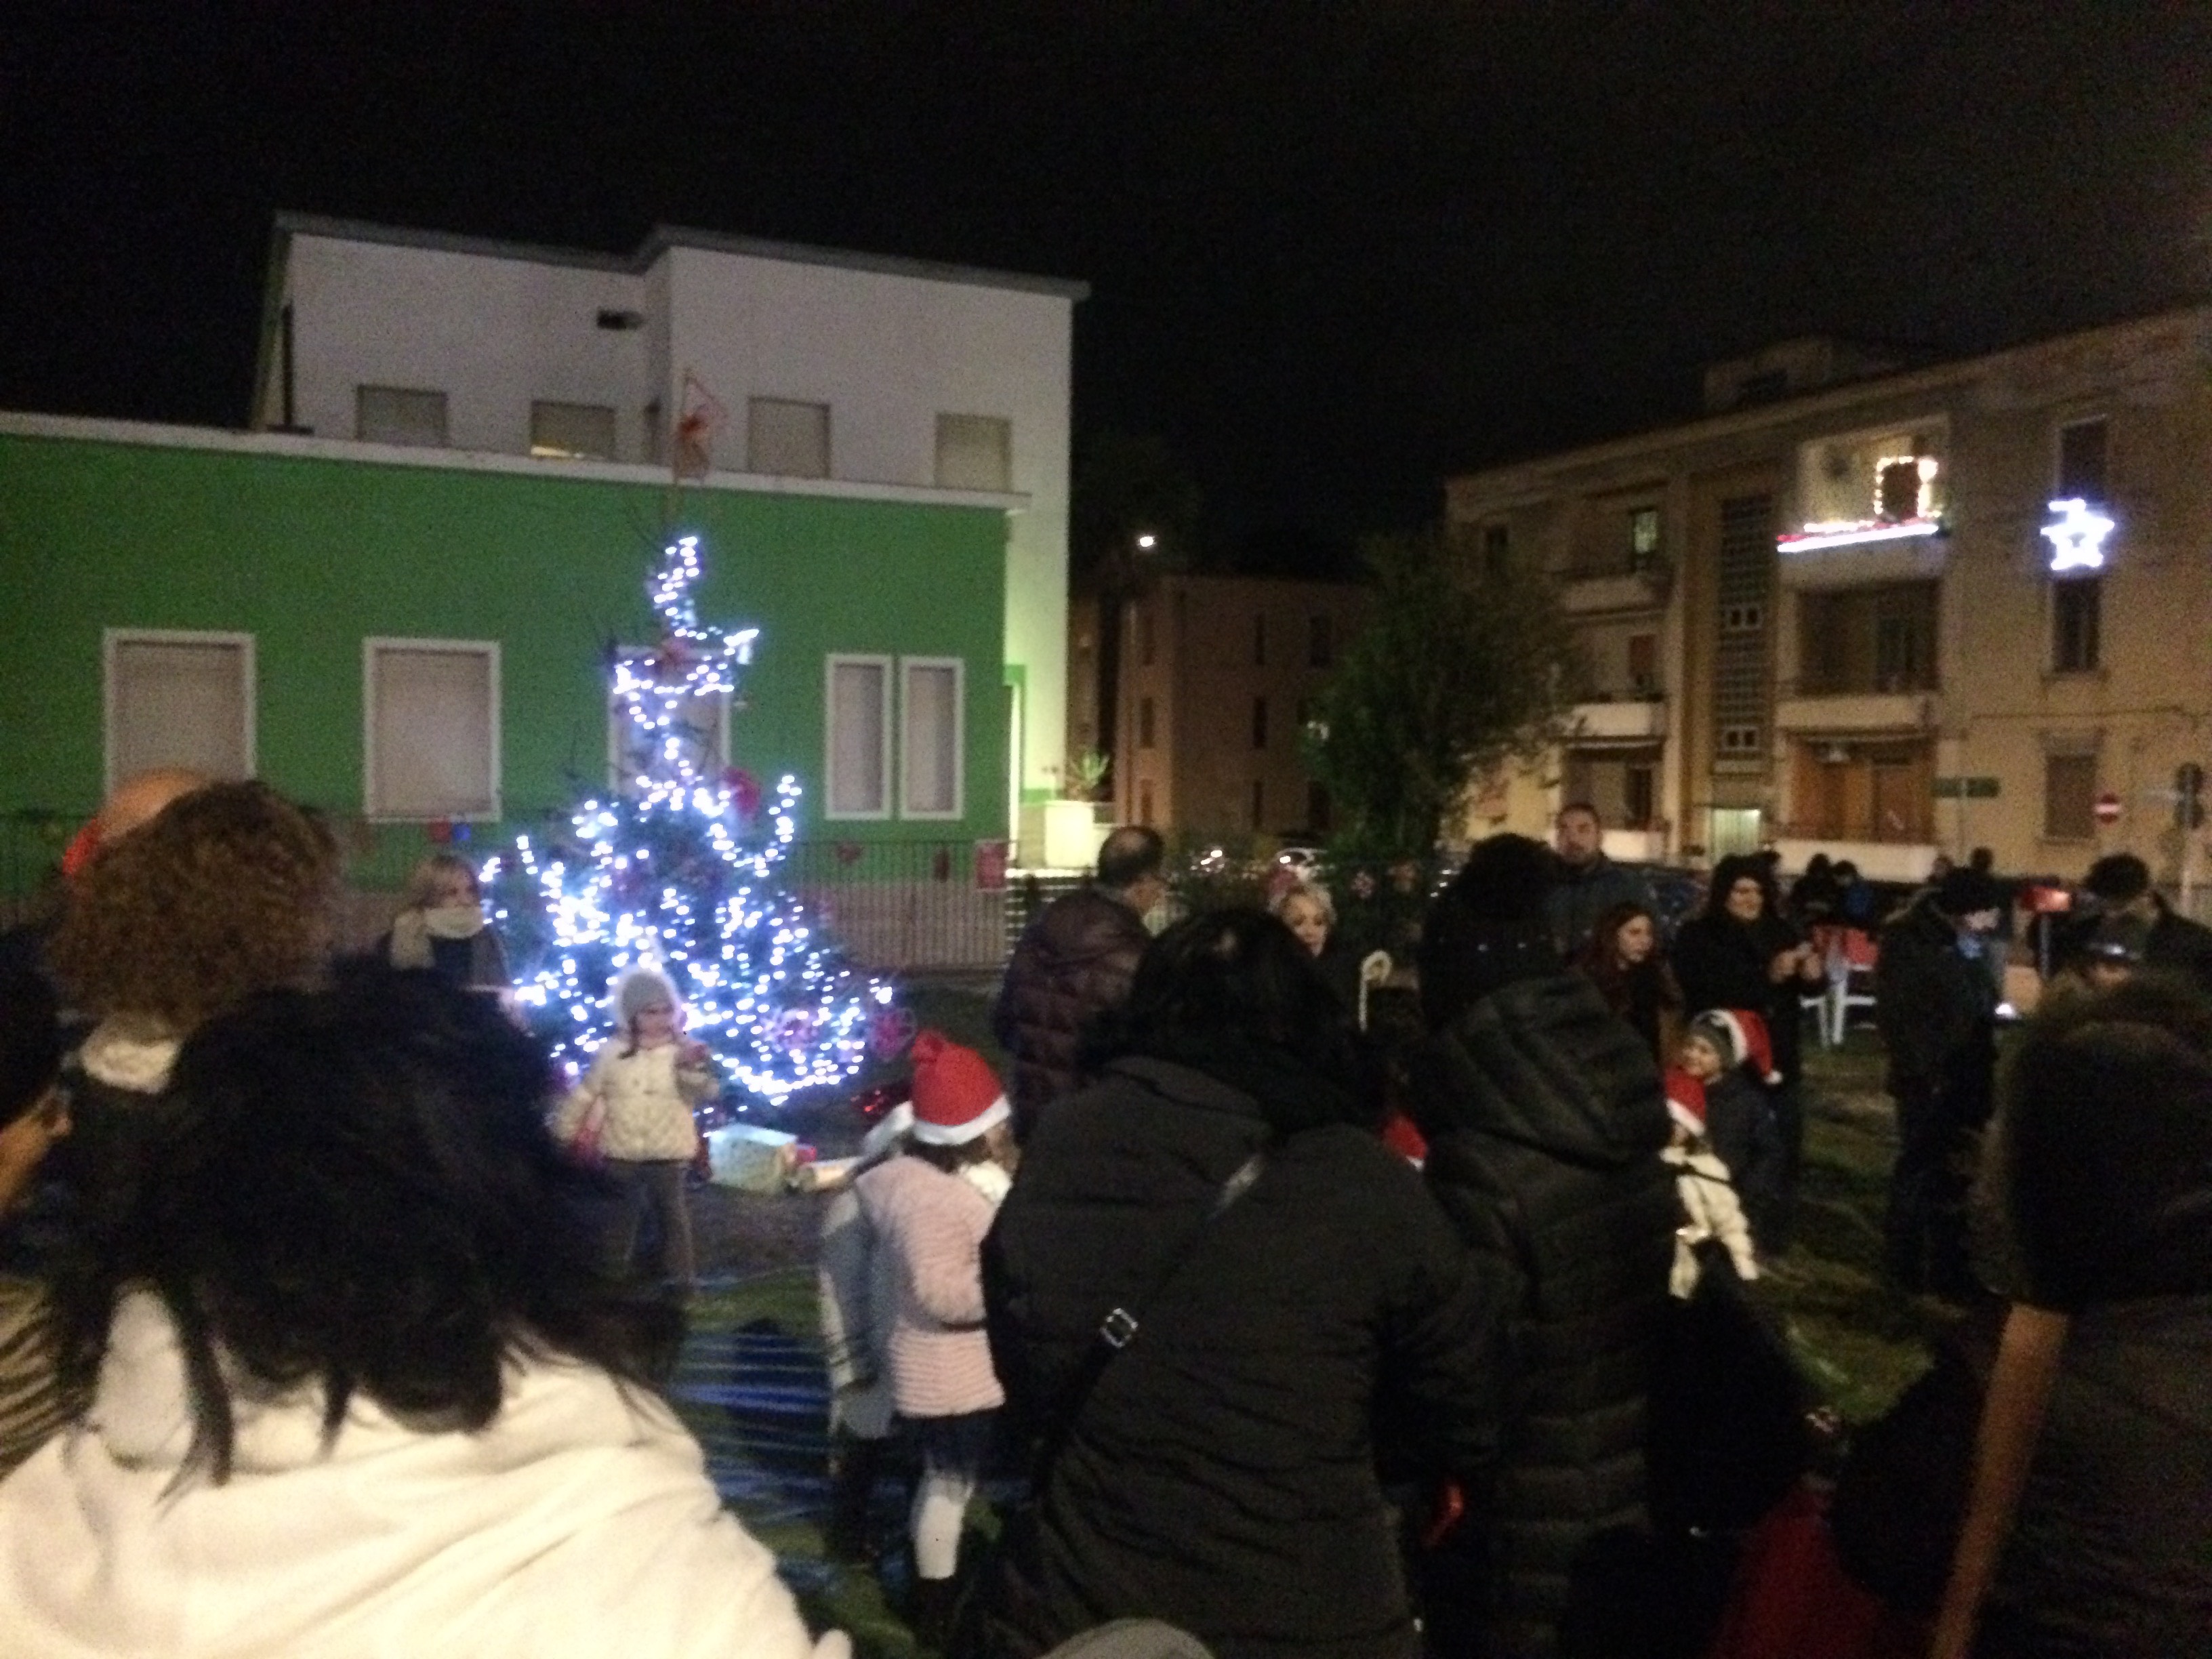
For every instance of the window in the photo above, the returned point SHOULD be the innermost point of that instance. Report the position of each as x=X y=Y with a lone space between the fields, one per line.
x=1857 y=639
x=1497 y=548
x=2076 y=608
x=1637 y=795
x=1260 y=639
x=1737 y=740
x=430 y=748
x=2082 y=462
x=930 y=733
x=975 y=452
x=1643 y=537
x=1259 y=722
x=572 y=432
x=2069 y=797
x=1320 y=642
x=1144 y=722
x=1145 y=802
x=786 y=439
x=394 y=415
x=179 y=699
x=860 y=738
x=704 y=730
x=1742 y=618
x=1643 y=662
x=1259 y=804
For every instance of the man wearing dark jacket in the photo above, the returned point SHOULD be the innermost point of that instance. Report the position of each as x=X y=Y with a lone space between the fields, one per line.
x=2120 y=881
x=1075 y=961
x=1545 y=1116
x=1937 y=1010
x=1588 y=883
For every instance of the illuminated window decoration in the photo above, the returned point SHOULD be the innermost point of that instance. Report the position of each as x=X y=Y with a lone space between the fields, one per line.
x=1892 y=518
x=2076 y=536
x=681 y=871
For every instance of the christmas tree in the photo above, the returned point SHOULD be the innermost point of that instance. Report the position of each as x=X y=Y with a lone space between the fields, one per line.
x=677 y=867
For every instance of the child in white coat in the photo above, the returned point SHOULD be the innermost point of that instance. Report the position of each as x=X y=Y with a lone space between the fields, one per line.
x=1710 y=1209
x=634 y=1110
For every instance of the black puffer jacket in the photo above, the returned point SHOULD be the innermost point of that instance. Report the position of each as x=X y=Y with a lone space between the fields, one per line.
x=1937 y=1013
x=1075 y=961
x=1545 y=1117
x=1221 y=1473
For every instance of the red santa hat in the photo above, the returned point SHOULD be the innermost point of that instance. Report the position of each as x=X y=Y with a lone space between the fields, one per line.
x=956 y=1095
x=1748 y=1043
x=1686 y=1100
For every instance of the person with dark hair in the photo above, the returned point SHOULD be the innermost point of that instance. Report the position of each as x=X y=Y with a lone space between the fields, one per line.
x=1074 y=963
x=1623 y=960
x=1587 y=883
x=1816 y=896
x=1937 y=1013
x=1545 y=1117
x=1208 y=1287
x=361 y=1388
x=1742 y=953
x=34 y=1113
x=2121 y=885
x=2088 y=1528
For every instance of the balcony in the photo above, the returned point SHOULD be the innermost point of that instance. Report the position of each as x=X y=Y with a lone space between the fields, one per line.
x=1858 y=711
x=1896 y=553
x=1641 y=720
x=1590 y=590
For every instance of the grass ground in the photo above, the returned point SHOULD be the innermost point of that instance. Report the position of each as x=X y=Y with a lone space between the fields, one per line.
x=1860 y=1344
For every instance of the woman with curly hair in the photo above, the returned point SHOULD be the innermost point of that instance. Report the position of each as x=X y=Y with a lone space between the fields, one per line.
x=361 y=1386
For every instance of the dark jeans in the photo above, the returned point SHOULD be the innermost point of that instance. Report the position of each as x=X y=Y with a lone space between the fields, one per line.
x=656 y=1184
x=1788 y=1101
x=1924 y=1241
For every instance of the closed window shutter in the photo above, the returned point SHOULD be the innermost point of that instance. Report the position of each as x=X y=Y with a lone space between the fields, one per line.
x=575 y=431
x=858 y=695
x=397 y=415
x=786 y=439
x=932 y=737
x=975 y=452
x=432 y=744
x=179 y=703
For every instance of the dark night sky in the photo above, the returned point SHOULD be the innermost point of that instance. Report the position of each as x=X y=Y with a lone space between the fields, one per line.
x=1337 y=251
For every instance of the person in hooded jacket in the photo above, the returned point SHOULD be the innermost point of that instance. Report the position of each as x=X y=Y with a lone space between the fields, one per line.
x=1285 y=1286
x=2088 y=1527
x=1074 y=964
x=1741 y=952
x=1546 y=1117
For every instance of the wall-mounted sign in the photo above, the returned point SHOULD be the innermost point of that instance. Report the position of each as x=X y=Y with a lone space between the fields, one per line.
x=2076 y=534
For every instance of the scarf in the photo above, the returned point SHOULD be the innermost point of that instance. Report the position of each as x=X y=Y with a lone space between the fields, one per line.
x=413 y=930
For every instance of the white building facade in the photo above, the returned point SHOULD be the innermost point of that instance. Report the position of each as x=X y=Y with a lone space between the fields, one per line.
x=816 y=371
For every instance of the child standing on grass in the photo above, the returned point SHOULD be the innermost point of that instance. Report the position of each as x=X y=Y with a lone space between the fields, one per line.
x=929 y=1208
x=1710 y=1209
x=1720 y=1049
x=634 y=1110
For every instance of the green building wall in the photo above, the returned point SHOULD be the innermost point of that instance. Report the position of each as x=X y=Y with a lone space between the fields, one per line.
x=310 y=556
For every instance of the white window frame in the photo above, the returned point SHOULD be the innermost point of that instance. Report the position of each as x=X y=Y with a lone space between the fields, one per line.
x=907 y=810
x=638 y=653
x=370 y=645
x=110 y=638
x=831 y=664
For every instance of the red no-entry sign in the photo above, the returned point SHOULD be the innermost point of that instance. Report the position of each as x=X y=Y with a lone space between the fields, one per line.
x=2108 y=809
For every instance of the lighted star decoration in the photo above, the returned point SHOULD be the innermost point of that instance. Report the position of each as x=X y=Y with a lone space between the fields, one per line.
x=2077 y=536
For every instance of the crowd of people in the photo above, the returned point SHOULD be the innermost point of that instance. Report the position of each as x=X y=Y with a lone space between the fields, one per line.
x=323 y=1328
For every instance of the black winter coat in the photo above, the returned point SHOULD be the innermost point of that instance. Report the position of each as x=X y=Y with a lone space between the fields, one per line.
x=1075 y=961
x=1937 y=1014
x=1740 y=1124
x=1545 y=1117
x=1722 y=963
x=1221 y=1473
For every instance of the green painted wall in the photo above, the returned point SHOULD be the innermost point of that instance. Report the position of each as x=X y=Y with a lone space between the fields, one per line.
x=310 y=556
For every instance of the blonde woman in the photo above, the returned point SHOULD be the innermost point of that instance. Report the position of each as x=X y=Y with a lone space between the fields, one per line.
x=441 y=926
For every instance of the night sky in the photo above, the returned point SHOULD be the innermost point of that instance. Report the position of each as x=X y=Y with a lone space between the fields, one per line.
x=1336 y=251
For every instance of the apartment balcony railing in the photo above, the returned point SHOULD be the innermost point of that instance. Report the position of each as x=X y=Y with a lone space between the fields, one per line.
x=1588 y=588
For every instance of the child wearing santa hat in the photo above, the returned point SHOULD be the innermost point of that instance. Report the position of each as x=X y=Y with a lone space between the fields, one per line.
x=928 y=1209
x=1721 y=1050
x=1710 y=1209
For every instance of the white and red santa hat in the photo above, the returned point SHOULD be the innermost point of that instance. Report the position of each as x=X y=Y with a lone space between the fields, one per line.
x=1748 y=1042
x=1686 y=1100
x=956 y=1095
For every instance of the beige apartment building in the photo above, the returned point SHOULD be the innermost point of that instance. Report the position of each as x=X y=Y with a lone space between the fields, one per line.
x=1218 y=675
x=1885 y=611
